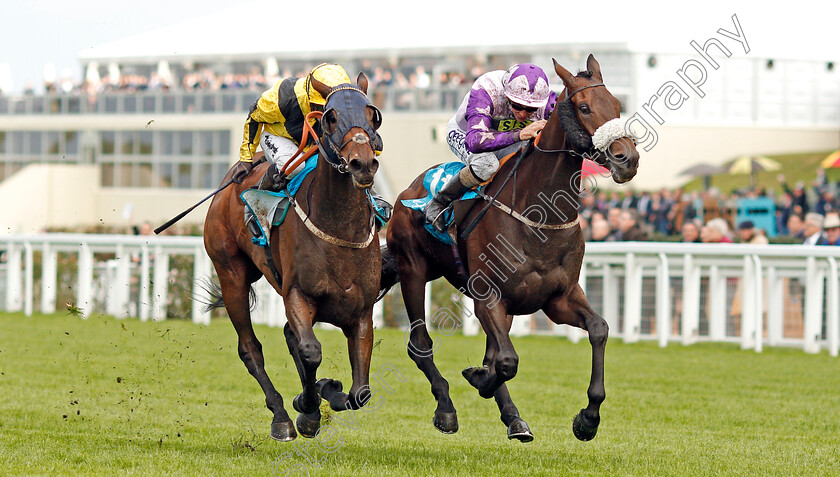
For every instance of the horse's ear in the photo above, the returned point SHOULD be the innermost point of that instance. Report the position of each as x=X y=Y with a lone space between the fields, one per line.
x=321 y=88
x=563 y=73
x=362 y=81
x=593 y=66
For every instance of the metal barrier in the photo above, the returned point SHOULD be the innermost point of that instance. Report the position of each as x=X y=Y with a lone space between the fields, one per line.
x=778 y=295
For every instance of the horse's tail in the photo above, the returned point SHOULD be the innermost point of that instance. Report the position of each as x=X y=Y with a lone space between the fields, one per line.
x=390 y=273
x=214 y=290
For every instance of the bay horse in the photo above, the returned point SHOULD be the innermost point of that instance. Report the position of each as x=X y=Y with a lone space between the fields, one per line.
x=523 y=259
x=326 y=261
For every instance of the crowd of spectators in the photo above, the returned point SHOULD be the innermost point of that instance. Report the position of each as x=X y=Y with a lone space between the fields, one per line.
x=207 y=79
x=802 y=215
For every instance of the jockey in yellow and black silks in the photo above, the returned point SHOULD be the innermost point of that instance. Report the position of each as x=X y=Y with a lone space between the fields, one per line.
x=276 y=121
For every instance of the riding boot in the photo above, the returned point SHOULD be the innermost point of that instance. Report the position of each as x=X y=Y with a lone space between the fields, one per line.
x=453 y=189
x=273 y=180
x=383 y=208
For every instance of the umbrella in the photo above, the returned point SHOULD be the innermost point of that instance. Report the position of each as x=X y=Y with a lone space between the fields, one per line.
x=752 y=165
x=832 y=160
x=702 y=170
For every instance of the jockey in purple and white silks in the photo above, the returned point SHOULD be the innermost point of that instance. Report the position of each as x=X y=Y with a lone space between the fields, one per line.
x=502 y=109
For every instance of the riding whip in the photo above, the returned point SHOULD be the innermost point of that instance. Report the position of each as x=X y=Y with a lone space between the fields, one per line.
x=182 y=214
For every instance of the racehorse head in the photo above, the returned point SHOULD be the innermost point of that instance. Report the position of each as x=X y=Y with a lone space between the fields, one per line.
x=604 y=137
x=349 y=130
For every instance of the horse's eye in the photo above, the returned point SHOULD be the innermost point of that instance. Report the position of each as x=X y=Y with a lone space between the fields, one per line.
x=584 y=108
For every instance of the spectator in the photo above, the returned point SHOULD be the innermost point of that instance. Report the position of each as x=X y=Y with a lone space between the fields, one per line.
x=826 y=202
x=796 y=228
x=748 y=233
x=716 y=231
x=600 y=229
x=690 y=232
x=813 y=228
x=831 y=229
x=629 y=229
x=612 y=220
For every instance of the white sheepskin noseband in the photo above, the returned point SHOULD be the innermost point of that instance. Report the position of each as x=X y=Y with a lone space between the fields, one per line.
x=611 y=131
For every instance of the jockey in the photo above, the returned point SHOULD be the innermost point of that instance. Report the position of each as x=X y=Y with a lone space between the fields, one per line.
x=276 y=118
x=502 y=109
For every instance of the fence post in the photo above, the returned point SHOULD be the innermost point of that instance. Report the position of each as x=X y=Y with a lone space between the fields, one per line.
x=470 y=322
x=748 y=302
x=13 y=278
x=201 y=271
x=610 y=297
x=49 y=278
x=144 y=295
x=691 y=300
x=160 y=286
x=28 y=278
x=632 y=298
x=758 y=324
x=813 y=306
x=573 y=333
x=663 y=287
x=717 y=304
x=775 y=307
x=833 y=312
x=84 y=291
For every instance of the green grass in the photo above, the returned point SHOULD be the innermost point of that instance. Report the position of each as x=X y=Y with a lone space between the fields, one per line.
x=795 y=167
x=103 y=397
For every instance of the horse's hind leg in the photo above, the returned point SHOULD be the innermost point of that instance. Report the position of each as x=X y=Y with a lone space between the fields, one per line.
x=421 y=347
x=508 y=412
x=574 y=310
x=235 y=291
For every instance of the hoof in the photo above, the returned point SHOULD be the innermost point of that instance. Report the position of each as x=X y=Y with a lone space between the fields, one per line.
x=519 y=430
x=583 y=428
x=329 y=386
x=446 y=422
x=283 y=431
x=308 y=424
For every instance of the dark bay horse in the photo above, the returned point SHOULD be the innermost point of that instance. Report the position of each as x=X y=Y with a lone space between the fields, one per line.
x=516 y=266
x=327 y=265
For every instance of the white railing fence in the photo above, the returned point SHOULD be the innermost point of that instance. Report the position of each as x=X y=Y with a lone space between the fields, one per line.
x=776 y=295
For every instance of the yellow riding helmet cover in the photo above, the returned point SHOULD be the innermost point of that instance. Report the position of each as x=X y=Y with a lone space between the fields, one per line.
x=330 y=74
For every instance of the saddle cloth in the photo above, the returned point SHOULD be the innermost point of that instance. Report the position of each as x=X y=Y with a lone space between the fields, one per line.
x=433 y=181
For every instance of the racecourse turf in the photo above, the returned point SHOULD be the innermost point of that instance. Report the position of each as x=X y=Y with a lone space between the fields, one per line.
x=122 y=397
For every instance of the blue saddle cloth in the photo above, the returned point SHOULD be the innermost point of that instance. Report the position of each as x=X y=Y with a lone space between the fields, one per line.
x=433 y=181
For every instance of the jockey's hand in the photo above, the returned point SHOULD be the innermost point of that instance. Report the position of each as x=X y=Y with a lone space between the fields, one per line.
x=241 y=171
x=532 y=130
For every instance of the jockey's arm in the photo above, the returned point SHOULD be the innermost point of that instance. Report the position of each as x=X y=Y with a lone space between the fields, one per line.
x=481 y=137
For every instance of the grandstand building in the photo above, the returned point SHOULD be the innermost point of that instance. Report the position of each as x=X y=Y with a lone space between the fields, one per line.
x=119 y=151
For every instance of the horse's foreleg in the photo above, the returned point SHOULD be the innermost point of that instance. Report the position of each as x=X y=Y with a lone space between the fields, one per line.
x=360 y=348
x=421 y=348
x=574 y=310
x=306 y=351
x=501 y=361
x=235 y=292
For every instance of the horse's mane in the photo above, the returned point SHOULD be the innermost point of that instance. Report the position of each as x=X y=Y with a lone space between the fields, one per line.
x=584 y=74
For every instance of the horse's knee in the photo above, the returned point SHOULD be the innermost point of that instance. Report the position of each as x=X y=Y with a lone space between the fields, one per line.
x=507 y=365
x=310 y=352
x=598 y=330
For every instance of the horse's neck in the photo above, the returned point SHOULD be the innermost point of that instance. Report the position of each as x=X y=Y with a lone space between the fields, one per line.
x=549 y=180
x=335 y=205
